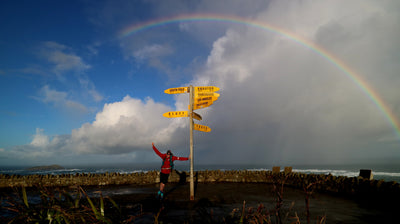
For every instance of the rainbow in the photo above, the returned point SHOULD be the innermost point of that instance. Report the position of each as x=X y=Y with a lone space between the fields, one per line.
x=351 y=74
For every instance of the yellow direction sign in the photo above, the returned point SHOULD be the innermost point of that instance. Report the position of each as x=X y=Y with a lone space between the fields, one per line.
x=204 y=99
x=172 y=114
x=202 y=128
x=196 y=95
x=177 y=90
x=197 y=116
x=201 y=105
x=205 y=89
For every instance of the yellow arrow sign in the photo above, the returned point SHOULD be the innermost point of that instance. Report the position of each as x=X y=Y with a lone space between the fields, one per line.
x=172 y=114
x=177 y=90
x=196 y=95
x=203 y=99
x=205 y=89
x=197 y=116
x=203 y=128
x=201 y=105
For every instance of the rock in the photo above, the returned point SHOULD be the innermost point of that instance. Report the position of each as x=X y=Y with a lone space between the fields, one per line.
x=45 y=168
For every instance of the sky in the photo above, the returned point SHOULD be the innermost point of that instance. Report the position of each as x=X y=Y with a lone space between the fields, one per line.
x=301 y=82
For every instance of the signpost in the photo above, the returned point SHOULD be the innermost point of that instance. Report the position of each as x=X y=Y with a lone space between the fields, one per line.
x=202 y=105
x=177 y=90
x=197 y=116
x=203 y=128
x=206 y=94
x=191 y=124
x=206 y=89
x=205 y=98
x=172 y=114
x=199 y=97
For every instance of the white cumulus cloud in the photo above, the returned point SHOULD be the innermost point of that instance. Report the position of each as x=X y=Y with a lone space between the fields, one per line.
x=125 y=126
x=40 y=140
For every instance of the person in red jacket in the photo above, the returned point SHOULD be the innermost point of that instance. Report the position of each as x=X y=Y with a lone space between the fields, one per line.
x=166 y=167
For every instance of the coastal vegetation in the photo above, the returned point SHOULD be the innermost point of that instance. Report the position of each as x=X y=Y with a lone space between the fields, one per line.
x=59 y=206
x=74 y=205
x=59 y=199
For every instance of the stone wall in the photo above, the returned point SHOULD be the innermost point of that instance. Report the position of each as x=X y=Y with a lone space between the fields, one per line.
x=320 y=183
x=77 y=179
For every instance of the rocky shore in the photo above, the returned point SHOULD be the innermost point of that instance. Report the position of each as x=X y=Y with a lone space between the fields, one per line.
x=221 y=194
x=321 y=183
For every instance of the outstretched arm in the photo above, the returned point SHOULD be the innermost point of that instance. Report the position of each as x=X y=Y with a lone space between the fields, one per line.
x=156 y=150
x=180 y=158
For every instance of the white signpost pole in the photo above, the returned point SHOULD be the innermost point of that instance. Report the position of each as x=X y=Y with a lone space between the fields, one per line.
x=191 y=100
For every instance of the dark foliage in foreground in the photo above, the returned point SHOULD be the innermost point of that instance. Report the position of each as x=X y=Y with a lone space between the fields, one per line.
x=59 y=206
x=73 y=205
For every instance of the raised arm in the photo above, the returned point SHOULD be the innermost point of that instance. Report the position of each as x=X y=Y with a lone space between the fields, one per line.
x=157 y=152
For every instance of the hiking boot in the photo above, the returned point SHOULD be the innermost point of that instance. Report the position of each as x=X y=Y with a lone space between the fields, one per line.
x=162 y=195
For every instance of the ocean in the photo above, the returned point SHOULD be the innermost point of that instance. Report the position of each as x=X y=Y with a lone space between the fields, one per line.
x=385 y=172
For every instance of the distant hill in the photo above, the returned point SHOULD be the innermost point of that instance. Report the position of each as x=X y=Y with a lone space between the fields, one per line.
x=44 y=168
